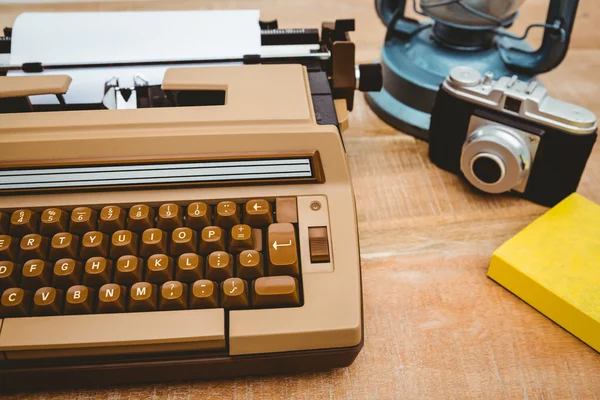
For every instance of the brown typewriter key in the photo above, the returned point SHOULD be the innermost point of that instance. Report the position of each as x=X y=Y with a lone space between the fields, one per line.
x=170 y=216
x=129 y=270
x=23 y=222
x=124 y=243
x=250 y=265
x=9 y=247
x=112 y=219
x=227 y=214
x=4 y=222
x=94 y=244
x=141 y=217
x=79 y=300
x=173 y=296
x=219 y=266
x=15 y=302
x=258 y=213
x=212 y=239
x=35 y=274
x=283 y=253
x=64 y=245
x=275 y=291
x=234 y=294
x=159 y=269
x=83 y=219
x=154 y=241
x=190 y=268
x=286 y=209
x=97 y=271
x=204 y=294
x=53 y=220
x=10 y=274
x=67 y=272
x=33 y=246
x=240 y=238
x=198 y=215
x=142 y=297
x=183 y=240
x=112 y=298
x=257 y=239
x=47 y=301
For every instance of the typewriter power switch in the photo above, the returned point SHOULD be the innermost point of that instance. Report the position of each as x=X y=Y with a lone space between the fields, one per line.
x=319 y=244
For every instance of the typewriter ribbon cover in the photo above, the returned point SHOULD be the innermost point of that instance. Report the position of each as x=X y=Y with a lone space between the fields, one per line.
x=100 y=149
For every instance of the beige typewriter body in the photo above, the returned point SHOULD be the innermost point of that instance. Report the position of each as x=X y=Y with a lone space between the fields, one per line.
x=268 y=113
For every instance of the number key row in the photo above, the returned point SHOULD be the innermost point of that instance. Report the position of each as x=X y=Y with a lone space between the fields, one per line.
x=170 y=216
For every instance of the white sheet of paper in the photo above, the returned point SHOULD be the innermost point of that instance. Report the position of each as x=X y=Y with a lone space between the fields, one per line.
x=89 y=37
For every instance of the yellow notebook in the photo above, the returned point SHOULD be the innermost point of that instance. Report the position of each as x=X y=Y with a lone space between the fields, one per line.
x=554 y=265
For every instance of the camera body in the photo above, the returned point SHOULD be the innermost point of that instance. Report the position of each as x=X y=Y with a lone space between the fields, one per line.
x=509 y=135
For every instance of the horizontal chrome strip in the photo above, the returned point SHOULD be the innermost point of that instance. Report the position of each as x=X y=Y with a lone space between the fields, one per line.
x=283 y=50
x=201 y=171
x=138 y=167
x=155 y=174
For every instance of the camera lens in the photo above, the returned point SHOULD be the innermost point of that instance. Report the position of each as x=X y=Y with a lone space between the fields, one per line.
x=495 y=159
x=487 y=168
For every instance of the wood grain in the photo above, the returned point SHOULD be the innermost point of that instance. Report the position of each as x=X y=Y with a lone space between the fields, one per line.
x=435 y=326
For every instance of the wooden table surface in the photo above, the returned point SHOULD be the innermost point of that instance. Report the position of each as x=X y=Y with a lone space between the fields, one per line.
x=435 y=326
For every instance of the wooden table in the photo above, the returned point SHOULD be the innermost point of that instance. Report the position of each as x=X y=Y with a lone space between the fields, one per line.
x=435 y=326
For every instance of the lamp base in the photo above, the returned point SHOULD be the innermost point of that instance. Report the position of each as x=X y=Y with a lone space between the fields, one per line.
x=399 y=115
x=413 y=70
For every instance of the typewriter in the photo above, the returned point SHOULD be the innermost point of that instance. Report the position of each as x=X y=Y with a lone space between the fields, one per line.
x=197 y=229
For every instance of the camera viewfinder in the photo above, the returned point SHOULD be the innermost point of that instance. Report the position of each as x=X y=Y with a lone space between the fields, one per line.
x=512 y=104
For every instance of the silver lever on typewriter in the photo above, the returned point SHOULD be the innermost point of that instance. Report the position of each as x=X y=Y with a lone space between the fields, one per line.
x=121 y=98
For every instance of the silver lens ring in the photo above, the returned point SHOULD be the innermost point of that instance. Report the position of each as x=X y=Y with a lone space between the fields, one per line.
x=495 y=159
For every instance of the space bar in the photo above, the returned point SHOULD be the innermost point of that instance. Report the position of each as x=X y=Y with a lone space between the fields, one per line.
x=107 y=334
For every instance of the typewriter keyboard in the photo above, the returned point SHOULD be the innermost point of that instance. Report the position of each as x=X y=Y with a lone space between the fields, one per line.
x=114 y=259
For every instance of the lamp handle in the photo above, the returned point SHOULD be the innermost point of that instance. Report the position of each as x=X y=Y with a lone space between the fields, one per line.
x=391 y=12
x=557 y=33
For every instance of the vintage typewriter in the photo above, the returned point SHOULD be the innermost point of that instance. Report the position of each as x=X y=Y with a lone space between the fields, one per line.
x=197 y=229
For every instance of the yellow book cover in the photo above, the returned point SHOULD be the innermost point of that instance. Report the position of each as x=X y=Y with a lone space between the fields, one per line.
x=554 y=265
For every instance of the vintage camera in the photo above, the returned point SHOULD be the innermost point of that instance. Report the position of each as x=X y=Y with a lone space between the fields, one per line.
x=509 y=135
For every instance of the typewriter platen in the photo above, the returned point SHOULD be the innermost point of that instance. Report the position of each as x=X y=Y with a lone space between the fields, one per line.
x=209 y=231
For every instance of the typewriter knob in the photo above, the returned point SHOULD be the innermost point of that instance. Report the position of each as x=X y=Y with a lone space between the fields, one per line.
x=368 y=77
